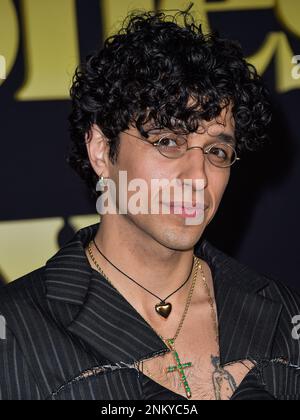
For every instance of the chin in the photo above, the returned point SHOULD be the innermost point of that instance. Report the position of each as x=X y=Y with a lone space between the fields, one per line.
x=180 y=238
x=169 y=232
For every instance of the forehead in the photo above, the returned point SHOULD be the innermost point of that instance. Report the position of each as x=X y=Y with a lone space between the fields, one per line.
x=221 y=128
x=225 y=118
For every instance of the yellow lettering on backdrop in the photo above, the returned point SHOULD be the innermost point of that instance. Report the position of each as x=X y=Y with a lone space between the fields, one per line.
x=288 y=13
x=51 y=48
x=9 y=36
x=236 y=5
x=78 y=222
x=114 y=11
x=201 y=8
x=27 y=244
x=277 y=45
x=51 y=39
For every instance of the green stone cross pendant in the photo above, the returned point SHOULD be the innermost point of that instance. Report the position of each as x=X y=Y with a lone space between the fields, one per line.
x=179 y=368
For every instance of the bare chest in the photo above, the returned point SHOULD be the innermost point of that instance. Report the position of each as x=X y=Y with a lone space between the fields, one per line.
x=197 y=372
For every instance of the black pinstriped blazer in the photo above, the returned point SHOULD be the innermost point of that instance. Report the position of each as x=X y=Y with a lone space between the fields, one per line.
x=71 y=335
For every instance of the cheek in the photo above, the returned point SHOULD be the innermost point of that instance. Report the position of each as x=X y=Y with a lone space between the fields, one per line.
x=217 y=186
x=140 y=167
x=146 y=166
x=223 y=182
x=138 y=162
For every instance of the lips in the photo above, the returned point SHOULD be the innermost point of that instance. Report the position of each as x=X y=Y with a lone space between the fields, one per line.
x=189 y=206
x=187 y=209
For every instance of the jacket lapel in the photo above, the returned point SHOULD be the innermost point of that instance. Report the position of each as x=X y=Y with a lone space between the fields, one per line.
x=107 y=322
x=247 y=320
x=104 y=320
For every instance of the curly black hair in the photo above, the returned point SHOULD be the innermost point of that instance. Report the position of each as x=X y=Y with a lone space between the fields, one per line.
x=149 y=70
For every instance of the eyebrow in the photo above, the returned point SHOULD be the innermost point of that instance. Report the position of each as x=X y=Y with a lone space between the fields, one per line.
x=155 y=130
x=226 y=138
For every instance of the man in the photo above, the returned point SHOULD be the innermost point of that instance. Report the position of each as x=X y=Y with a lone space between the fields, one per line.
x=140 y=306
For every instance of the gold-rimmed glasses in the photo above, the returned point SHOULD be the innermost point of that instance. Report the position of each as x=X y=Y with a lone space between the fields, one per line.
x=221 y=154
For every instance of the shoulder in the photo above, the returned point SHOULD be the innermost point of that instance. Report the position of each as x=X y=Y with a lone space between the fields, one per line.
x=289 y=298
x=24 y=289
x=21 y=299
x=246 y=278
x=287 y=340
x=271 y=308
x=21 y=302
x=17 y=302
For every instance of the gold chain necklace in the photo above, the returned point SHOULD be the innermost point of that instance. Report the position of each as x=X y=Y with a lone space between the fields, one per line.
x=170 y=342
x=179 y=364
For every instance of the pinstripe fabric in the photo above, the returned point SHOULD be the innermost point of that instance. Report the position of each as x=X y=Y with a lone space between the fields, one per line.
x=72 y=335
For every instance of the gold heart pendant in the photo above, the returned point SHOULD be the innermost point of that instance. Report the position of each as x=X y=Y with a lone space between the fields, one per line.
x=163 y=309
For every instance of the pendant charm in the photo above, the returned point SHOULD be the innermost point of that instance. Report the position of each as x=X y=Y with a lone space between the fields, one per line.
x=163 y=309
x=179 y=368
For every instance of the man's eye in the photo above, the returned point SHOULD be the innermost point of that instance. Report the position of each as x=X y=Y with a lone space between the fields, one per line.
x=168 y=142
x=219 y=153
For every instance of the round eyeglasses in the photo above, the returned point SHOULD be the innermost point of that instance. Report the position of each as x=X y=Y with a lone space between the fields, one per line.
x=174 y=146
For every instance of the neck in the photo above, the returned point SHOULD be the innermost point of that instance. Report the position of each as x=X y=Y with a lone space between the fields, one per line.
x=159 y=269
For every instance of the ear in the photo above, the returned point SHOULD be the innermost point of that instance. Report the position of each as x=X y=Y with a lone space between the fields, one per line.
x=98 y=150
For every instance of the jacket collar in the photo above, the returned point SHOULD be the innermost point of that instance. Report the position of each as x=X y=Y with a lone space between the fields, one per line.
x=107 y=322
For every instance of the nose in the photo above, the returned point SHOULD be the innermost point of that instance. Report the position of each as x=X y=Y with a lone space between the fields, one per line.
x=198 y=165
x=195 y=147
